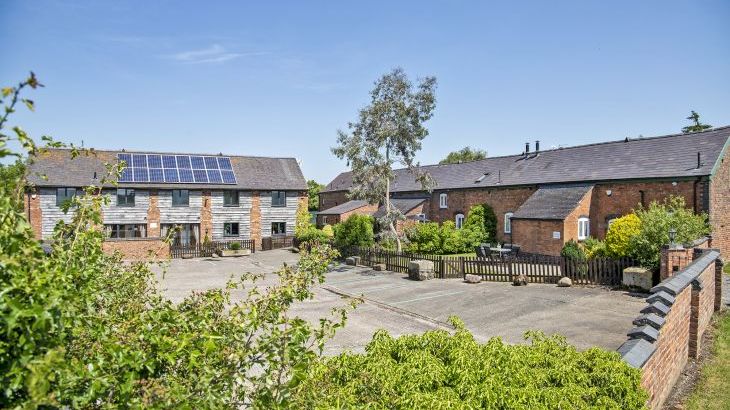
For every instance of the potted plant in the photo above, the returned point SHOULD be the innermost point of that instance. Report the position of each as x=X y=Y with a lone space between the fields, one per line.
x=234 y=249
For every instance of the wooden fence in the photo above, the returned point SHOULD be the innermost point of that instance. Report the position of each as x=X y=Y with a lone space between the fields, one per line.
x=276 y=242
x=536 y=268
x=202 y=250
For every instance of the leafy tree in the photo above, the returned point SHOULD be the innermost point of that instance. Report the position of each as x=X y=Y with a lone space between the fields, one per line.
x=313 y=189
x=443 y=370
x=10 y=174
x=657 y=220
x=473 y=231
x=82 y=329
x=303 y=221
x=696 y=126
x=465 y=154
x=388 y=131
x=424 y=238
x=622 y=233
x=357 y=230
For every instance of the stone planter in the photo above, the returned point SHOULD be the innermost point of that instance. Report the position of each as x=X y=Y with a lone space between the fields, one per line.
x=420 y=270
x=638 y=278
x=231 y=253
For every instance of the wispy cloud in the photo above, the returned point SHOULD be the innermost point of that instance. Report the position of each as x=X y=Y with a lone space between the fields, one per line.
x=213 y=54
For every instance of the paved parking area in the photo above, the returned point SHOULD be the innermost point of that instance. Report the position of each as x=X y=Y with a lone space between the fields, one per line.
x=586 y=316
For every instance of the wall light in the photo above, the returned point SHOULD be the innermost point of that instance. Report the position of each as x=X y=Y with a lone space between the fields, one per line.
x=609 y=192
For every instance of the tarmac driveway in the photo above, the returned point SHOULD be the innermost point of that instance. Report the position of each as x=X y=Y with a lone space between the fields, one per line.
x=586 y=316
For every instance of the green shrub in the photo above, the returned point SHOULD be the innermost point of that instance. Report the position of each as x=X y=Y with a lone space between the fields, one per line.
x=621 y=234
x=234 y=246
x=474 y=232
x=656 y=221
x=357 y=230
x=313 y=234
x=423 y=238
x=594 y=248
x=452 y=240
x=328 y=231
x=442 y=370
x=573 y=250
x=490 y=221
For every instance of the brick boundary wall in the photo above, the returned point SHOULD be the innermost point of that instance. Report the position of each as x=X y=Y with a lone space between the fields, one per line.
x=670 y=328
x=138 y=248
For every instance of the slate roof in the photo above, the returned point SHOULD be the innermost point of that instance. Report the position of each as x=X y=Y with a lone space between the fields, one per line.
x=656 y=157
x=252 y=173
x=403 y=205
x=552 y=202
x=342 y=208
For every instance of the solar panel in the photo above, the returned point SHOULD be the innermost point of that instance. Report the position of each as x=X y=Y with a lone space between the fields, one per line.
x=158 y=168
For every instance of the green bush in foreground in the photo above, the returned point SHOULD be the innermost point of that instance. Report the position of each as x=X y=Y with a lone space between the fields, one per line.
x=454 y=371
x=357 y=230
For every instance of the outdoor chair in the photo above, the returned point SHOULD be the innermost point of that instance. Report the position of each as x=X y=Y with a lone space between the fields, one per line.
x=481 y=251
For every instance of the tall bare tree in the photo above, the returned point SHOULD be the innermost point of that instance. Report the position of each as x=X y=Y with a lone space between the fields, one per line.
x=388 y=131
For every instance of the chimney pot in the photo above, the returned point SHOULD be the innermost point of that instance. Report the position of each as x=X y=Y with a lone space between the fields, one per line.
x=537 y=146
x=527 y=148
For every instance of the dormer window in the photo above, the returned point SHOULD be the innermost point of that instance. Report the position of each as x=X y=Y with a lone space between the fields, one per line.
x=443 y=201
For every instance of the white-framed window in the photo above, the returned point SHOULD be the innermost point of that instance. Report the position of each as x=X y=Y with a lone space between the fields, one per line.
x=459 y=220
x=508 y=222
x=584 y=228
x=443 y=201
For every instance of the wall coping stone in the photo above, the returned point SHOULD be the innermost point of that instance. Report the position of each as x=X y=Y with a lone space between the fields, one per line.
x=658 y=308
x=677 y=283
x=699 y=241
x=661 y=296
x=651 y=319
x=636 y=352
x=645 y=332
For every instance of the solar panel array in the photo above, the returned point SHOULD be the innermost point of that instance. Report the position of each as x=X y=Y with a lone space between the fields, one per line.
x=176 y=169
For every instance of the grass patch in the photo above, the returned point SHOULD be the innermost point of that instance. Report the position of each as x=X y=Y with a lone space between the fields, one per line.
x=713 y=388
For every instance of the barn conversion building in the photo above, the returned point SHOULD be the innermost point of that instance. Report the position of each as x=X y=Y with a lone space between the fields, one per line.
x=544 y=198
x=218 y=197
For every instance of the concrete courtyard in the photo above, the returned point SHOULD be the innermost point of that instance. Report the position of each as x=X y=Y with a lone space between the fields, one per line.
x=586 y=316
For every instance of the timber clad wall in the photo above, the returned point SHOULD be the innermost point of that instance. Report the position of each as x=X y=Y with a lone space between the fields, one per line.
x=180 y=214
x=270 y=214
x=720 y=206
x=240 y=214
x=136 y=214
x=50 y=212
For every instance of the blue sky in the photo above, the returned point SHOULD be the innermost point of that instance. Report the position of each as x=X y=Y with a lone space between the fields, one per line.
x=279 y=78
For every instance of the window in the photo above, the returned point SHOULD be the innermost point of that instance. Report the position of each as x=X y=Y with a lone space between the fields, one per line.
x=230 y=229
x=278 y=198
x=64 y=194
x=230 y=198
x=508 y=222
x=182 y=234
x=443 y=201
x=123 y=231
x=459 y=221
x=583 y=228
x=125 y=197
x=278 y=228
x=180 y=197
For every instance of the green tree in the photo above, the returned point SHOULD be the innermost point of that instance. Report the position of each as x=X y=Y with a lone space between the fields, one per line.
x=313 y=190
x=490 y=222
x=388 y=131
x=10 y=174
x=696 y=126
x=474 y=230
x=82 y=329
x=465 y=154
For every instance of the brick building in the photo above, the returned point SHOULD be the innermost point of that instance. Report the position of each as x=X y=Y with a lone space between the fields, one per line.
x=544 y=198
x=214 y=196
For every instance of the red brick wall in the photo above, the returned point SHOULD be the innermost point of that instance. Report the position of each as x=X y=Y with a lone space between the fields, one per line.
x=33 y=213
x=256 y=218
x=664 y=367
x=153 y=216
x=626 y=196
x=329 y=199
x=138 y=249
x=536 y=236
x=502 y=200
x=570 y=230
x=206 y=217
x=720 y=207
x=703 y=306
